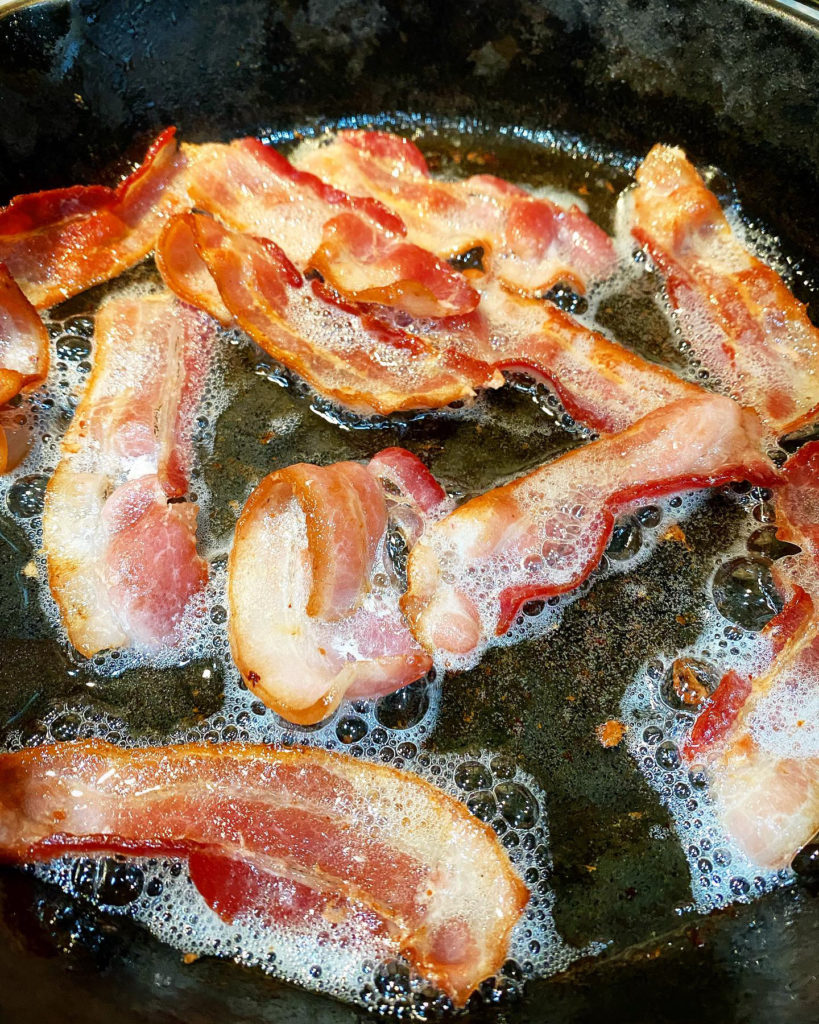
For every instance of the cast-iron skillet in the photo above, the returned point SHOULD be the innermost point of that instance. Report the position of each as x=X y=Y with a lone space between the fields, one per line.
x=737 y=84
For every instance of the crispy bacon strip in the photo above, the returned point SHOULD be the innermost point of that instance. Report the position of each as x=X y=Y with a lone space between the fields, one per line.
x=121 y=547
x=24 y=350
x=371 y=835
x=61 y=242
x=339 y=348
x=739 y=318
x=543 y=534
x=313 y=595
x=532 y=243
x=255 y=190
x=365 y=264
x=600 y=383
x=760 y=736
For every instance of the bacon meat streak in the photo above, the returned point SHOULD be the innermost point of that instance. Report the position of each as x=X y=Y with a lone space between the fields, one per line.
x=600 y=383
x=372 y=838
x=738 y=316
x=61 y=242
x=120 y=543
x=339 y=348
x=313 y=596
x=24 y=355
x=543 y=534
x=760 y=736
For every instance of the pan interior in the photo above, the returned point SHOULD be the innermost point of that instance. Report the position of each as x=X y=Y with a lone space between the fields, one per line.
x=620 y=845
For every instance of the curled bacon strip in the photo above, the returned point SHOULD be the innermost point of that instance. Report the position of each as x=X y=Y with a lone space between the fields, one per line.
x=368 y=265
x=373 y=836
x=543 y=534
x=740 y=319
x=313 y=597
x=760 y=736
x=343 y=351
x=24 y=353
x=61 y=242
x=533 y=244
x=121 y=547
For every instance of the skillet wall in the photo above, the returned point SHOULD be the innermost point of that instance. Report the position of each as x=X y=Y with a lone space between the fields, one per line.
x=736 y=83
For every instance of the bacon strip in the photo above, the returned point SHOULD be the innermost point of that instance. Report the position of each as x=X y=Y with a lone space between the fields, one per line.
x=367 y=265
x=600 y=383
x=121 y=547
x=543 y=534
x=369 y=834
x=24 y=350
x=313 y=596
x=356 y=243
x=532 y=243
x=340 y=349
x=61 y=242
x=764 y=752
x=255 y=190
x=760 y=736
x=738 y=316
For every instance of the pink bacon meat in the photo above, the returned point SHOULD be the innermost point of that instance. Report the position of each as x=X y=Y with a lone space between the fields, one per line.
x=372 y=837
x=339 y=348
x=24 y=353
x=121 y=545
x=314 y=613
x=760 y=736
x=738 y=316
x=543 y=534
x=531 y=243
x=61 y=242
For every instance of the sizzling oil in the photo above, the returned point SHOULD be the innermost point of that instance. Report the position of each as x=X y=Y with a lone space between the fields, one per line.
x=614 y=844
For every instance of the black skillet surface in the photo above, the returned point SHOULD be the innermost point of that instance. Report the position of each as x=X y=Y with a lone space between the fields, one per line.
x=737 y=84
